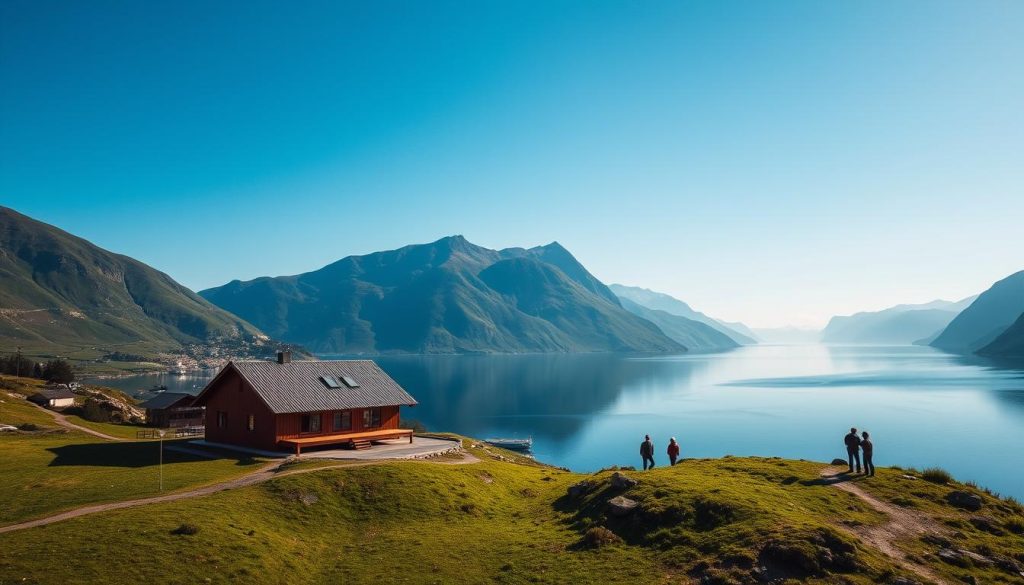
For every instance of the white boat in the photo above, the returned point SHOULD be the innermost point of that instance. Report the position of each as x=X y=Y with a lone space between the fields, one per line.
x=524 y=445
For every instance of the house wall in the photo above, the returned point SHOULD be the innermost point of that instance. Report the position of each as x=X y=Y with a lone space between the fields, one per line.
x=234 y=396
x=289 y=425
x=62 y=402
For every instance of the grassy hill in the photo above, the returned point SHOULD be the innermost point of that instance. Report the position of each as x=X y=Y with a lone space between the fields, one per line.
x=505 y=519
x=449 y=296
x=62 y=294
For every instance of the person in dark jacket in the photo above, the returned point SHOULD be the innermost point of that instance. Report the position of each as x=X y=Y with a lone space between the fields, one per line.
x=673 y=450
x=647 y=452
x=869 y=450
x=853 y=449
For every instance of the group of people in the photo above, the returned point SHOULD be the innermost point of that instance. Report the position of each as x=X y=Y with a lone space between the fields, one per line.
x=647 y=451
x=855 y=446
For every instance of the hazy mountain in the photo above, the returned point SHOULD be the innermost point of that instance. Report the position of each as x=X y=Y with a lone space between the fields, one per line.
x=902 y=324
x=696 y=336
x=449 y=296
x=992 y=313
x=669 y=304
x=1009 y=344
x=60 y=290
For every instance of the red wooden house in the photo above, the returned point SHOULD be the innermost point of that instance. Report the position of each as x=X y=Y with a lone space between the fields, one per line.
x=290 y=405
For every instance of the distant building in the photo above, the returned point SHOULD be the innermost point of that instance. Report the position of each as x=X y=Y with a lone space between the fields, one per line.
x=292 y=405
x=173 y=410
x=54 y=398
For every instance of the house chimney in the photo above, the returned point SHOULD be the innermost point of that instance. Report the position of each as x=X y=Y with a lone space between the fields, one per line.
x=284 y=357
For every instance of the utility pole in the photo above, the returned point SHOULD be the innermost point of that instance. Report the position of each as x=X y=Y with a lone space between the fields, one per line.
x=161 y=433
x=17 y=367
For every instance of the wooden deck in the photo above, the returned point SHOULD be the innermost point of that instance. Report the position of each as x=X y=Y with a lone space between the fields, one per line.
x=345 y=438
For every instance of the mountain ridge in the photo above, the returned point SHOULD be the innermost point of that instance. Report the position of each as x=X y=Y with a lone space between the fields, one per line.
x=659 y=301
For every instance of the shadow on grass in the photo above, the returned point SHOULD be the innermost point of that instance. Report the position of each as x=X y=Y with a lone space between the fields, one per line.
x=833 y=479
x=129 y=454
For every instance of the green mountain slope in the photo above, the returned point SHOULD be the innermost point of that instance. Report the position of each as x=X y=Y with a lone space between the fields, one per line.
x=59 y=290
x=657 y=301
x=902 y=324
x=449 y=296
x=696 y=336
x=986 y=318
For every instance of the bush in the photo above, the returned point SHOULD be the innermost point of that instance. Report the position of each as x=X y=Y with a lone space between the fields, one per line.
x=28 y=427
x=936 y=475
x=58 y=372
x=93 y=411
x=599 y=536
x=186 y=529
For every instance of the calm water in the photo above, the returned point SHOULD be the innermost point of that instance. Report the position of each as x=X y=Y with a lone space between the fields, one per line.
x=922 y=407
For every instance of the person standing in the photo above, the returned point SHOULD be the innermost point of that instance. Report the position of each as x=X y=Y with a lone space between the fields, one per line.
x=853 y=449
x=647 y=452
x=673 y=450
x=869 y=450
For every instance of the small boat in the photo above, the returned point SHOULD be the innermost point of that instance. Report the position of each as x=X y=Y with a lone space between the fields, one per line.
x=523 y=445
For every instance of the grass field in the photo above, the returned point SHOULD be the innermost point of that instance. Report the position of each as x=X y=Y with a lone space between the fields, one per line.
x=710 y=521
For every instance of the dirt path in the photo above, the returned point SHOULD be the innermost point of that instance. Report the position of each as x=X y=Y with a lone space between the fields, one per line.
x=267 y=472
x=61 y=420
x=902 y=524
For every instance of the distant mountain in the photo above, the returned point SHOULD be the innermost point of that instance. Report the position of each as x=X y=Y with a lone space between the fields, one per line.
x=992 y=313
x=696 y=336
x=902 y=324
x=60 y=290
x=669 y=304
x=1009 y=344
x=449 y=296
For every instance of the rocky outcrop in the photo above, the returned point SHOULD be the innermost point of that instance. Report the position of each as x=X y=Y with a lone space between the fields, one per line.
x=622 y=506
x=966 y=500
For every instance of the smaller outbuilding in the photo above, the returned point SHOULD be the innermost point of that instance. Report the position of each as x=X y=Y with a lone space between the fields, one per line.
x=173 y=410
x=54 y=398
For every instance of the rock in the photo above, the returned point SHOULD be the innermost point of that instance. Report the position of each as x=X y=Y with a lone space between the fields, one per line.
x=903 y=581
x=909 y=477
x=622 y=482
x=962 y=499
x=1009 y=565
x=963 y=557
x=987 y=524
x=936 y=539
x=578 y=490
x=621 y=505
x=838 y=461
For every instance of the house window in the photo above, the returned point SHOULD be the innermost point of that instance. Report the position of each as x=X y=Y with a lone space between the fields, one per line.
x=342 y=421
x=371 y=418
x=311 y=423
x=222 y=419
x=251 y=422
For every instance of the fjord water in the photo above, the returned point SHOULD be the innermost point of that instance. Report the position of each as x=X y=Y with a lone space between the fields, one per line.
x=922 y=407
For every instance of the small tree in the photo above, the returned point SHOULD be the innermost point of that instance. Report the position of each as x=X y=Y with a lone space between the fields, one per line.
x=58 y=372
x=37 y=371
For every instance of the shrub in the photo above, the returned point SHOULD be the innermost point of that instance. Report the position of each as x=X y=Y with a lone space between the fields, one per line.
x=186 y=529
x=28 y=427
x=93 y=411
x=936 y=475
x=599 y=536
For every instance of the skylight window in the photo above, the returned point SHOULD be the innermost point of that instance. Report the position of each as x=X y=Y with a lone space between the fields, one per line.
x=330 y=381
x=349 y=382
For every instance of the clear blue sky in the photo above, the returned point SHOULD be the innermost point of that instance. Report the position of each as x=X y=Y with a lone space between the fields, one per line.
x=771 y=162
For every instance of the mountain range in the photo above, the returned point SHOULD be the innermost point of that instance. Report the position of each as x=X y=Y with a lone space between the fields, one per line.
x=657 y=301
x=980 y=327
x=59 y=290
x=448 y=296
x=902 y=324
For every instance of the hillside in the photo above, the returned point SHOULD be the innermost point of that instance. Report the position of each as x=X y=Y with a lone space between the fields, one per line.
x=902 y=324
x=1009 y=344
x=992 y=313
x=657 y=301
x=494 y=517
x=60 y=291
x=449 y=296
x=696 y=336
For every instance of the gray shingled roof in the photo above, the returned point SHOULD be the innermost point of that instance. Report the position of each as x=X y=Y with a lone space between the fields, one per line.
x=296 y=386
x=165 y=399
x=54 y=393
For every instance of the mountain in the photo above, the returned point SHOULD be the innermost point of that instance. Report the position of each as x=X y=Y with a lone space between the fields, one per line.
x=696 y=336
x=992 y=313
x=902 y=324
x=662 y=302
x=60 y=290
x=1009 y=344
x=449 y=296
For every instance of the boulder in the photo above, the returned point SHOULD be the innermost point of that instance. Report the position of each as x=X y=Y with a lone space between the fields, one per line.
x=962 y=499
x=578 y=490
x=622 y=482
x=621 y=505
x=963 y=557
x=838 y=461
x=986 y=524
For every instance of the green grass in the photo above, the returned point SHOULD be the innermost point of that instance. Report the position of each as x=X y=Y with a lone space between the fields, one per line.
x=123 y=431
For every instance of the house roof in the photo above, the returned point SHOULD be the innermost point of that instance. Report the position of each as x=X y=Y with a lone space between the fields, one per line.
x=297 y=386
x=54 y=393
x=167 y=400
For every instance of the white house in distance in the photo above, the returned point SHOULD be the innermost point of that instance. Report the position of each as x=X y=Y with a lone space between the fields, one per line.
x=54 y=398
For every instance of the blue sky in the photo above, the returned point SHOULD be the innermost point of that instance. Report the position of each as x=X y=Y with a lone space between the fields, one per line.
x=774 y=163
